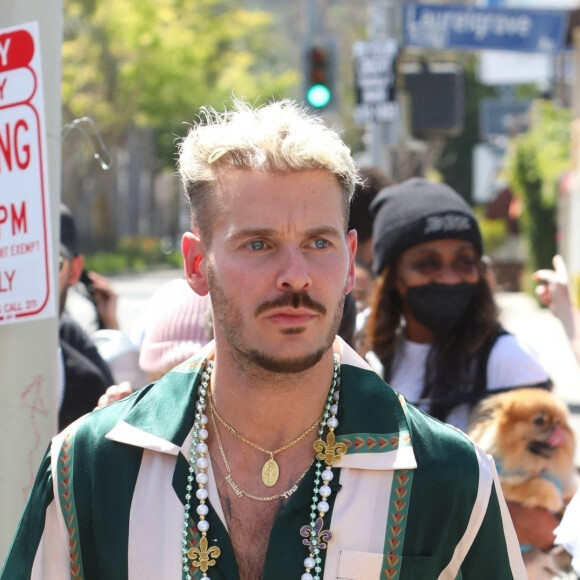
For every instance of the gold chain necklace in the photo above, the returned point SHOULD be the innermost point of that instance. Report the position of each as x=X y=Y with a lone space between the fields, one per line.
x=271 y=469
x=237 y=489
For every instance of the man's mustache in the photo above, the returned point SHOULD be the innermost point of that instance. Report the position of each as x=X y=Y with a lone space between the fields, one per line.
x=293 y=299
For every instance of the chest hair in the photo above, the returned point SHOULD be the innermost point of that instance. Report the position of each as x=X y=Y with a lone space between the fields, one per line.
x=249 y=525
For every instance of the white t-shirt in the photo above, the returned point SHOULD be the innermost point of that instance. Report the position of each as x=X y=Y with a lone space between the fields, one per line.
x=568 y=532
x=511 y=363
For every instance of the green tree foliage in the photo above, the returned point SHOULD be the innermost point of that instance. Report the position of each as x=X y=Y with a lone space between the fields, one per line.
x=153 y=63
x=536 y=162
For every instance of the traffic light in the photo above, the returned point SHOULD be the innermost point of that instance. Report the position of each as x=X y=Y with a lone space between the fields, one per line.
x=319 y=78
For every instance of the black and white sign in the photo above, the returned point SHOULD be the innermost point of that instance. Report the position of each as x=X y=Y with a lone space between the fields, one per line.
x=374 y=73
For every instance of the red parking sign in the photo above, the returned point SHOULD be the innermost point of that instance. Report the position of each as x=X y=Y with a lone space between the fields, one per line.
x=25 y=257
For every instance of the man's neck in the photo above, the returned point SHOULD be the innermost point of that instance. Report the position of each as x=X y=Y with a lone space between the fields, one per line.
x=269 y=408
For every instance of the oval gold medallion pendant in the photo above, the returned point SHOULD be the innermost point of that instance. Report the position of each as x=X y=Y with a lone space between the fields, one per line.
x=270 y=472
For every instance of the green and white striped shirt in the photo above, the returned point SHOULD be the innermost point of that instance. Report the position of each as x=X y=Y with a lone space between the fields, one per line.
x=415 y=499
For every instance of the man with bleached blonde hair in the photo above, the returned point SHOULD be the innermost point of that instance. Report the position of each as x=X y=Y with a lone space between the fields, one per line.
x=276 y=452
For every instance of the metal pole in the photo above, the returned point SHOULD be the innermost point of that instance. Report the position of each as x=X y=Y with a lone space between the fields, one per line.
x=29 y=349
x=377 y=31
x=312 y=28
x=383 y=23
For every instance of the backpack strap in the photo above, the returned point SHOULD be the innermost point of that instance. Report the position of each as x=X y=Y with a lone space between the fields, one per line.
x=480 y=380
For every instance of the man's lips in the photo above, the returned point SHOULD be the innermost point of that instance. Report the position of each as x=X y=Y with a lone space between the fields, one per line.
x=292 y=317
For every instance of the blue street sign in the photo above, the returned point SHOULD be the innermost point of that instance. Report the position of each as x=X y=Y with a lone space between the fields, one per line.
x=465 y=27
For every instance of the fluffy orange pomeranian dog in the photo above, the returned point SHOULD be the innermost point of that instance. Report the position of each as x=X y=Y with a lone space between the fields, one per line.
x=527 y=432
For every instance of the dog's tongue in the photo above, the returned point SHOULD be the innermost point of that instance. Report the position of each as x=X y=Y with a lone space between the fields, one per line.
x=556 y=438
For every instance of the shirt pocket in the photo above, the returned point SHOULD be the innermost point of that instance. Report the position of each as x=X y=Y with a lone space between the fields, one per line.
x=369 y=566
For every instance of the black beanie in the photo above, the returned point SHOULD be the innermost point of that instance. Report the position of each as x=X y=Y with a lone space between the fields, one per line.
x=417 y=211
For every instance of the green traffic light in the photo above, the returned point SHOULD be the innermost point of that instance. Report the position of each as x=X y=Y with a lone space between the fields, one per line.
x=318 y=96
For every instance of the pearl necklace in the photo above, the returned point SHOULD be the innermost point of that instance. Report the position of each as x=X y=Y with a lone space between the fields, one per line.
x=204 y=556
x=327 y=452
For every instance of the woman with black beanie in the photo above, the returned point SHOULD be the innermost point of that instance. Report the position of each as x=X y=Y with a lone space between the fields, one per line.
x=433 y=331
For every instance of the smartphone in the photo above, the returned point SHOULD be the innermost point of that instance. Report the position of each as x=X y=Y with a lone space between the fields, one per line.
x=89 y=287
x=86 y=281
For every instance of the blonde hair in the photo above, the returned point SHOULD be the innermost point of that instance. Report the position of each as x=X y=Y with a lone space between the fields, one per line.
x=279 y=136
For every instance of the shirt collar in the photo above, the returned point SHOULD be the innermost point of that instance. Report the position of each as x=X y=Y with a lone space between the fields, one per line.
x=373 y=417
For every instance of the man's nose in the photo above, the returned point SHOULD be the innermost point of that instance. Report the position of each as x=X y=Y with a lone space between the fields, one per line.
x=294 y=272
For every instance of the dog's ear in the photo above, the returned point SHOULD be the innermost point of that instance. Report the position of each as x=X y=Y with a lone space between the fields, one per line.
x=480 y=419
x=484 y=414
x=485 y=410
x=487 y=416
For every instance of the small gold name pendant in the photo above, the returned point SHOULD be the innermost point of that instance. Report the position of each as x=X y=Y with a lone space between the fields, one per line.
x=270 y=472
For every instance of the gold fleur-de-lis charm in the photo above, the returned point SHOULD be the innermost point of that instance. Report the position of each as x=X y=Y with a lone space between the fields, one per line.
x=329 y=451
x=202 y=557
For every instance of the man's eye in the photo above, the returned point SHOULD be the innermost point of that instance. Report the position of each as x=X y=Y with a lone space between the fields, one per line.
x=256 y=245
x=320 y=244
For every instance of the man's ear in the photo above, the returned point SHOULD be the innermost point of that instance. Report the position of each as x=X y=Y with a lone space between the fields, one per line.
x=76 y=269
x=194 y=262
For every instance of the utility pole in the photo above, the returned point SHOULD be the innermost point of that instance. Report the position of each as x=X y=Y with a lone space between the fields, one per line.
x=383 y=24
x=313 y=24
x=28 y=413
x=318 y=60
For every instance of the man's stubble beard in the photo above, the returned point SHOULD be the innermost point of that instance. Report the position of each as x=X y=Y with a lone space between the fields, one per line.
x=229 y=318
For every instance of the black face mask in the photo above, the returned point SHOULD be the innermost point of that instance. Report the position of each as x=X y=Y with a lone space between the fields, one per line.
x=439 y=306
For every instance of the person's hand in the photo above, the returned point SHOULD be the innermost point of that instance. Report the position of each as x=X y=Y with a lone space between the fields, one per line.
x=105 y=300
x=553 y=289
x=114 y=393
x=534 y=526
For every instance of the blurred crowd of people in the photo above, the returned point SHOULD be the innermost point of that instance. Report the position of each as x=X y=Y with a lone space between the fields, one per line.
x=110 y=363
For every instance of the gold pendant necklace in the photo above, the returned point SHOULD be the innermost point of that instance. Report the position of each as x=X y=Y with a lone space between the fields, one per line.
x=237 y=489
x=270 y=469
x=270 y=472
